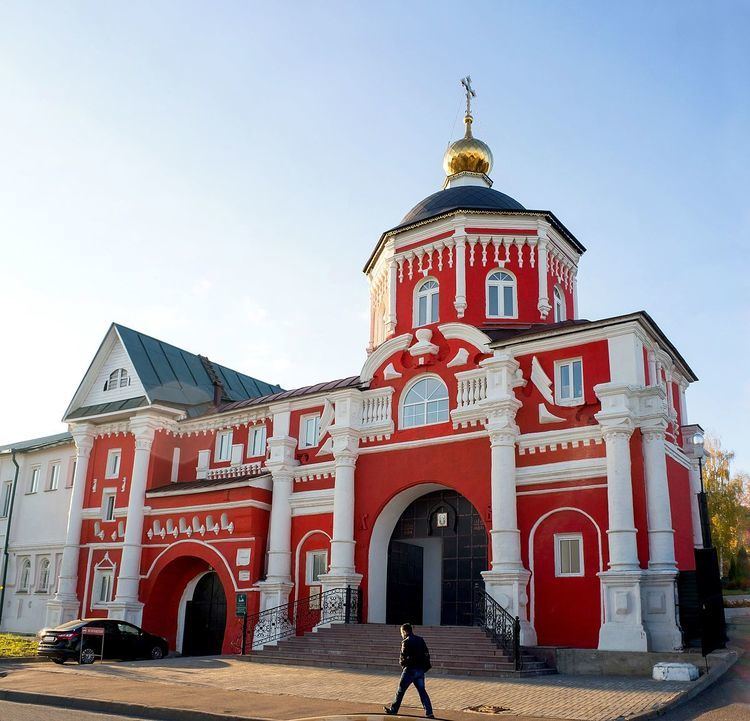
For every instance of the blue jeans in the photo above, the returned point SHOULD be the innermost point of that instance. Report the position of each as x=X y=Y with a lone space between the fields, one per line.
x=411 y=676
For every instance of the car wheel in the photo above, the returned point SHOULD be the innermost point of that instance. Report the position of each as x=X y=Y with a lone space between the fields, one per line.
x=61 y=661
x=157 y=652
x=88 y=655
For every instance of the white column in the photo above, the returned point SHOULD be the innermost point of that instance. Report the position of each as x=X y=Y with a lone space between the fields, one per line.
x=460 y=302
x=507 y=580
x=275 y=589
x=390 y=325
x=543 y=305
x=575 y=293
x=126 y=605
x=623 y=628
x=65 y=605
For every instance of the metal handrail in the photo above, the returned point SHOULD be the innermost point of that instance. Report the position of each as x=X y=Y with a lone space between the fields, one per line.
x=337 y=605
x=495 y=620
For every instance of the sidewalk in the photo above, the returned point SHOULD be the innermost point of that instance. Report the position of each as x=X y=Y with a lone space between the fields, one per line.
x=226 y=685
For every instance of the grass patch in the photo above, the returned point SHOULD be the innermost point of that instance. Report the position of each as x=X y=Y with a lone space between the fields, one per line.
x=736 y=592
x=12 y=645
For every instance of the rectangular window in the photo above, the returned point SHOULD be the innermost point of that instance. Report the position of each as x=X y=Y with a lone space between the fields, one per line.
x=34 y=480
x=113 y=463
x=317 y=564
x=108 y=505
x=103 y=586
x=569 y=382
x=258 y=442
x=72 y=474
x=569 y=555
x=223 y=446
x=308 y=437
x=204 y=461
x=54 y=477
x=7 y=490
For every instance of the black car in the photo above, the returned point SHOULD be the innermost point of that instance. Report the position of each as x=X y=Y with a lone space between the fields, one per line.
x=121 y=640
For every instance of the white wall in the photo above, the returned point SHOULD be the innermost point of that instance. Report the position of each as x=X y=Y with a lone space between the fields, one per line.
x=37 y=532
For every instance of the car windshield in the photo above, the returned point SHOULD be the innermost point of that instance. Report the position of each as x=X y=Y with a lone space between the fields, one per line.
x=67 y=626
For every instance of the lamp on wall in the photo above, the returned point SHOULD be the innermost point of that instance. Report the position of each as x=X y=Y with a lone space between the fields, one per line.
x=700 y=453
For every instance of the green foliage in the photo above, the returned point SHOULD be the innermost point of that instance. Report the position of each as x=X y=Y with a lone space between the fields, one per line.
x=13 y=646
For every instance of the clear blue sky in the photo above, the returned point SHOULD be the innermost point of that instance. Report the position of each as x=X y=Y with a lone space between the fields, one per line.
x=216 y=174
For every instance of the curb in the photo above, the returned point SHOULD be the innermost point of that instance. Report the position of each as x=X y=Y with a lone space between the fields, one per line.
x=154 y=713
x=706 y=681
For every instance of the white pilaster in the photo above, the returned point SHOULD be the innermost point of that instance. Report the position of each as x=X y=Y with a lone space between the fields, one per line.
x=126 y=605
x=65 y=605
x=460 y=250
x=390 y=325
x=507 y=580
x=543 y=305
x=623 y=628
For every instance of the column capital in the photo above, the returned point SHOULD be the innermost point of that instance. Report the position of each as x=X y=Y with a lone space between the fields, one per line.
x=83 y=436
x=281 y=454
x=144 y=429
x=502 y=429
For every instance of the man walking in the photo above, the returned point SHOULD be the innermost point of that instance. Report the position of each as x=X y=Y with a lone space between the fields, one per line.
x=415 y=660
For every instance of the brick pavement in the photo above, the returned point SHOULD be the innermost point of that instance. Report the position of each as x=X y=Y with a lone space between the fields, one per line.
x=587 y=698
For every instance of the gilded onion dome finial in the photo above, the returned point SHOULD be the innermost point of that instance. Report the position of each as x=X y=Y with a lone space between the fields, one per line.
x=467 y=154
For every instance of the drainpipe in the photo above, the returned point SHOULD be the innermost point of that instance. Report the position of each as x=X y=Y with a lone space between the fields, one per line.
x=7 y=533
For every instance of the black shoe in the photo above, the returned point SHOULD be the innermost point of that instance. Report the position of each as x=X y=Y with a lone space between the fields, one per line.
x=429 y=715
x=390 y=711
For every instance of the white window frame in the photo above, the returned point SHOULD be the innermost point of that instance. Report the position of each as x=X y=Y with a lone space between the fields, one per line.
x=559 y=306
x=99 y=575
x=71 y=472
x=427 y=294
x=559 y=537
x=405 y=394
x=24 y=569
x=114 y=463
x=219 y=455
x=7 y=492
x=40 y=586
x=573 y=401
x=107 y=494
x=310 y=565
x=500 y=285
x=36 y=474
x=54 y=476
x=303 y=421
x=256 y=445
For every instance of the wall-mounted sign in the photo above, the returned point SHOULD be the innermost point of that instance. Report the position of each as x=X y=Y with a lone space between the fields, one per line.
x=442 y=520
x=243 y=557
x=240 y=608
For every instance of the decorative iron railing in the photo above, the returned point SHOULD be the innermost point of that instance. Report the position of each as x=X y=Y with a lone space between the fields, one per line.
x=337 y=605
x=495 y=620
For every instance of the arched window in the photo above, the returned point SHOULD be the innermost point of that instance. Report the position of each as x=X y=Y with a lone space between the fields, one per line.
x=558 y=301
x=117 y=379
x=425 y=402
x=426 y=302
x=43 y=585
x=25 y=576
x=501 y=295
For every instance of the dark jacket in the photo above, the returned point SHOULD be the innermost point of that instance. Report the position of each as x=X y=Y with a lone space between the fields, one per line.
x=415 y=654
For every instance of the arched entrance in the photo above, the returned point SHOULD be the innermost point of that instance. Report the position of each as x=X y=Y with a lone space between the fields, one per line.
x=205 y=618
x=437 y=552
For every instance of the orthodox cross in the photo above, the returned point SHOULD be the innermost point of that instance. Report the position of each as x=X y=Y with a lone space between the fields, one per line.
x=466 y=82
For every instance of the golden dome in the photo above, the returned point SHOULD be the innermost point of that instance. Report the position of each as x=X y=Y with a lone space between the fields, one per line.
x=467 y=154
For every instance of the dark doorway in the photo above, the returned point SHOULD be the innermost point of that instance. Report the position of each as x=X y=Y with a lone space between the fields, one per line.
x=437 y=553
x=405 y=583
x=205 y=618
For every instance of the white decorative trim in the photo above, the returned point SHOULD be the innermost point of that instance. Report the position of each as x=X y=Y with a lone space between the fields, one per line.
x=326 y=419
x=467 y=333
x=297 y=555
x=423 y=346
x=314 y=471
x=575 y=470
x=311 y=503
x=263 y=482
x=405 y=445
x=546 y=416
x=559 y=439
x=200 y=543
x=389 y=373
x=382 y=353
x=543 y=491
x=212 y=423
x=541 y=380
x=460 y=359
x=677 y=454
x=206 y=507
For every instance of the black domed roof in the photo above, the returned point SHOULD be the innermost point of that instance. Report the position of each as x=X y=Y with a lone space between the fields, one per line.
x=463 y=197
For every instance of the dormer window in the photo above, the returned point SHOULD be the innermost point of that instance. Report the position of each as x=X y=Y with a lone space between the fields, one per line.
x=117 y=379
x=426 y=302
x=558 y=302
x=501 y=295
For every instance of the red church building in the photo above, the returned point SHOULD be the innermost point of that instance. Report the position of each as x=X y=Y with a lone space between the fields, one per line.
x=491 y=439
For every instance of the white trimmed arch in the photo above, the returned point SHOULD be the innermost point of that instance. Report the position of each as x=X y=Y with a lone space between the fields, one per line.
x=298 y=552
x=382 y=353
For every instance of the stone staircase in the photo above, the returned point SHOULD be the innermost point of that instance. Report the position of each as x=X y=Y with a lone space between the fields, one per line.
x=454 y=650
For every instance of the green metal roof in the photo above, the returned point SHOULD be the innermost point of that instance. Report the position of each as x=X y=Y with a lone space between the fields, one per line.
x=112 y=407
x=35 y=443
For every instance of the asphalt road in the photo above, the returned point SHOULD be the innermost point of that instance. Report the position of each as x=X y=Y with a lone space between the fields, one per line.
x=28 y=712
x=729 y=698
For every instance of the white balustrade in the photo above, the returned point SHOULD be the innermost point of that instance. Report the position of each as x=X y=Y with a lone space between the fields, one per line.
x=377 y=413
x=246 y=469
x=472 y=388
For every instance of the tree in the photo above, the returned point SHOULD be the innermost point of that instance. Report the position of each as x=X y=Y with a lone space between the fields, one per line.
x=725 y=493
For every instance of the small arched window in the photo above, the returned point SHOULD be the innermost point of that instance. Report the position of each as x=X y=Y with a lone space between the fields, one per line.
x=117 y=379
x=426 y=302
x=43 y=585
x=501 y=295
x=426 y=402
x=558 y=302
x=25 y=577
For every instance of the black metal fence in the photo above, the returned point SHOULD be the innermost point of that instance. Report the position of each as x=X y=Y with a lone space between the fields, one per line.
x=495 y=620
